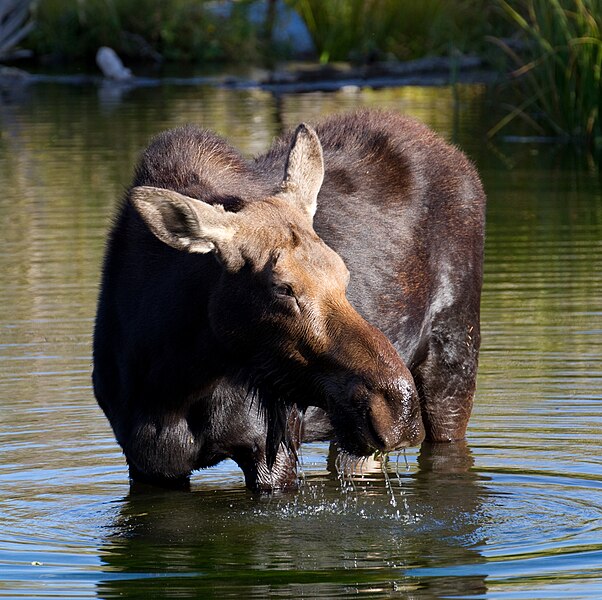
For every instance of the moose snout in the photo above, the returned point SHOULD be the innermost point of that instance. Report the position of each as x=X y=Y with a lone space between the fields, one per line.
x=377 y=405
x=393 y=420
x=377 y=417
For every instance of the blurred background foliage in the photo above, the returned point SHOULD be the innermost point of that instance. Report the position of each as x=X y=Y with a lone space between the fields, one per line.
x=558 y=68
x=361 y=30
x=552 y=48
x=171 y=30
x=212 y=30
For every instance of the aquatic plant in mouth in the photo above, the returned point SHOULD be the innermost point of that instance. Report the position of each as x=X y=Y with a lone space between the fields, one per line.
x=559 y=70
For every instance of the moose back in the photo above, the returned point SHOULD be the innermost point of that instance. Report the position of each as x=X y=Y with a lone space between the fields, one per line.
x=327 y=289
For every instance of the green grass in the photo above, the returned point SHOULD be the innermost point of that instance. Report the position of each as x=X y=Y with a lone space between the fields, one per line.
x=558 y=74
x=364 y=30
x=356 y=29
x=176 y=30
x=186 y=31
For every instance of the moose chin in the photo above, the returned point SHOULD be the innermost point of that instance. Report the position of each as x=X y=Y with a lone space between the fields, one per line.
x=328 y=289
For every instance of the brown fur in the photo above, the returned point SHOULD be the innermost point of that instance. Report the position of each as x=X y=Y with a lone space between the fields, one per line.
x=219 y=278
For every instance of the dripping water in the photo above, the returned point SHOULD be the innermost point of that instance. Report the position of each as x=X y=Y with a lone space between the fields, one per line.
x=300 y=464
x=384 y=459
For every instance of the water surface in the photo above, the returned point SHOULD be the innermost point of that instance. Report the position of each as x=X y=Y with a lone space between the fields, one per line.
x=516 y=512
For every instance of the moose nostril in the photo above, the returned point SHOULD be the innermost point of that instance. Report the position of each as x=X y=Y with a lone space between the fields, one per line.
x=393 y=425
x=383 y=426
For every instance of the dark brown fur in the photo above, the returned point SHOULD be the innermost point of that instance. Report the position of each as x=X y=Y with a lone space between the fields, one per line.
x=181 y=337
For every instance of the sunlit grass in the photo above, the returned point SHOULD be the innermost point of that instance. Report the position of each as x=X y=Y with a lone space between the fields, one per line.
x=353 y=29
x=558 y=73
x=362 y=30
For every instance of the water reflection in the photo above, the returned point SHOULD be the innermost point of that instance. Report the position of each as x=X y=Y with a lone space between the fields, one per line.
x=317 y=543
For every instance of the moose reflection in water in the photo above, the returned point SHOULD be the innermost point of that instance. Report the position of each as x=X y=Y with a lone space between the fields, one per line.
x=321 y=542
x=329 y=288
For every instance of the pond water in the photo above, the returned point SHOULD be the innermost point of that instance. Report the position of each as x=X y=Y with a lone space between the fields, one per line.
x=516 y=512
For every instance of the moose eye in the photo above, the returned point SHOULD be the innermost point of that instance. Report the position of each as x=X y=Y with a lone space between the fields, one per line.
x=284 y=290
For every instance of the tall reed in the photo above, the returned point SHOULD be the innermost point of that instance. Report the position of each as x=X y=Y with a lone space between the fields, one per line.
x=357 y=29
x=14 y=24
x=559 y=71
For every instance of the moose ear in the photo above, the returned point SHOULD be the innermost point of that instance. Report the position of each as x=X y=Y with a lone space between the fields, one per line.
x=304 y=170
x=182 y=222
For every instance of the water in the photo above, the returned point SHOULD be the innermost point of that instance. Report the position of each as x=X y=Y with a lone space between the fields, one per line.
x=514 y=513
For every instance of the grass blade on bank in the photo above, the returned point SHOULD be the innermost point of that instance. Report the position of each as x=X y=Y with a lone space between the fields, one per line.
x=559 y=69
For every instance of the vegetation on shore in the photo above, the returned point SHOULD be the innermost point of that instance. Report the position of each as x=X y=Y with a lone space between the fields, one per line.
x=360 y=30
x=559 y=68
x=14 y=24
x=70 y=31
x=201 y=31
x=553 y=46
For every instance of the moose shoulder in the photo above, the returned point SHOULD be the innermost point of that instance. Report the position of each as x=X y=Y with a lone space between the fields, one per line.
x=330 y=287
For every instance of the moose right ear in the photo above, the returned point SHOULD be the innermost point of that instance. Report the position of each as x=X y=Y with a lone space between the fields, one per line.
x=304 y=170
x=182 y=222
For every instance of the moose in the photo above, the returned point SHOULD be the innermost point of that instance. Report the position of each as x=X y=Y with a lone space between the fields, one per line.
x=328 y=289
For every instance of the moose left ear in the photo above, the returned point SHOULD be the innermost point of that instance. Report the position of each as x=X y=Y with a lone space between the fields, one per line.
x=304 y=170
x=185 y=223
